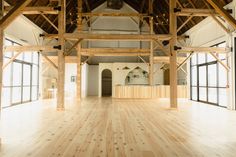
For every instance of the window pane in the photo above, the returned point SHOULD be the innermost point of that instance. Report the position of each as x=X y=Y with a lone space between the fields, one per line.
x=201 y=58
x=212 y=95
x=16 y=94
x=222 y=76
x=194 y=93
x=210 y=58
x=223 y=99
x=35 y=57
x=7 y=75
x=194 y=76
x=194 y=59
x=28 y=57
x=17 y=72
x=6 y=97
x=34 y=92
x=26 y=75
x=35 y=75
x=202 y=94
x=212 y=75
x=26 y=94
x=202 y=76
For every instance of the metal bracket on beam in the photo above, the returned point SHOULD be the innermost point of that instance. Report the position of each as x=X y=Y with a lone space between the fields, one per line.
x=58 y=8
x=57 y=47
x=41 y=35
x=186 y=36
x=177 y=10
x=176 y=48
x=229 y=11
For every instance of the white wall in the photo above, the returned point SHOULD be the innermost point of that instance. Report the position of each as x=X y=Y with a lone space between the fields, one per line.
x=23 y=31
x=93 y=80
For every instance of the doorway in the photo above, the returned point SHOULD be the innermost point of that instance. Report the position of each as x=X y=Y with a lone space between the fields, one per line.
x=106 y=83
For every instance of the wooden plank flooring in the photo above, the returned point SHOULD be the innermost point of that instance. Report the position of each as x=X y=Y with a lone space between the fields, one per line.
x=117 y=128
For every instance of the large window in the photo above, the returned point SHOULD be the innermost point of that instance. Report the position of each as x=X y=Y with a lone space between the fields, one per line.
x=209 y=78
x=20 y=78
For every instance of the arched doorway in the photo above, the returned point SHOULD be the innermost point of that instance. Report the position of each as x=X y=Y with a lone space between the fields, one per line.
x=106 y=83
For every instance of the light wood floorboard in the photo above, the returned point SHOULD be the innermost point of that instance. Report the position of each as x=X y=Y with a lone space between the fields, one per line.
x=117 y=128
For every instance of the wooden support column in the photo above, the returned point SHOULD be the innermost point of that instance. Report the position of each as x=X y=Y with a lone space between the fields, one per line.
x=173 y=55
x=1 y=57
x=151 y=82
x=61 y=57
x=80 y=29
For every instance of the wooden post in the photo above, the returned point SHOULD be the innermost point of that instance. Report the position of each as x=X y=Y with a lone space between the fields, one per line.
x=80 y=29
x=151 y=82
x=1 y=57
x=61 y=57
x=173 y=55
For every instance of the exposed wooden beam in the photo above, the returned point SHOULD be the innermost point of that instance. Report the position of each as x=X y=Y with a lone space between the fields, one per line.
x=219 y=8
x=35 y=10
x=123 y=37
x=13 y=13
x=68 y=59
x=11 y=60
x=90 y=14
x=86 y=60
x=68 y=52
x=185 y=60
x=115 y=52
x=29 y=48
x=61 y=57
x=50 y=61
x=166 y=59
x=203 y=50
x=220 y=61
x=196 y=12
x=49 y=21
x=173 y=54
x=79 y=51
x=188 y=19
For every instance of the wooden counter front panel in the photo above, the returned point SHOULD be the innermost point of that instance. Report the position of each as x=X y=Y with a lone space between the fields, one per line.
x=147 y=92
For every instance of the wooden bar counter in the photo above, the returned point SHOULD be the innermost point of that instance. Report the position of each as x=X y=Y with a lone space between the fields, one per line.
x=148 y=92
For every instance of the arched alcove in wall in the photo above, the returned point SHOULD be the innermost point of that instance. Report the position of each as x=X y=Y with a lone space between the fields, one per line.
x=137 y=76
x=106 y=83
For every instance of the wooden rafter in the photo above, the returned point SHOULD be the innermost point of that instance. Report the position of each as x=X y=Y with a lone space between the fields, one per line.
x=219 y=8
x=13 y=13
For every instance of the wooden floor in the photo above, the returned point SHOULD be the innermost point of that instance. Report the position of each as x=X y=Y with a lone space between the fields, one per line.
x=117 y=128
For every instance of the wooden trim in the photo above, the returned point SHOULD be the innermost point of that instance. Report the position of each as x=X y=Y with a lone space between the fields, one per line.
x=13 y=13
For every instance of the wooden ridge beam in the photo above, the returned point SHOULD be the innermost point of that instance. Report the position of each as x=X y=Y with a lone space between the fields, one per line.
x=35 y=10
x=13 y=13
x=218 y=8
